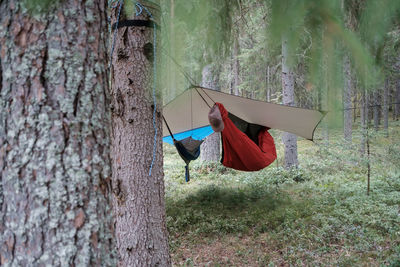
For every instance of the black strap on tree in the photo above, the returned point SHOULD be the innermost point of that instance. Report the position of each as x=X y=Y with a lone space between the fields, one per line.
x=135 y=23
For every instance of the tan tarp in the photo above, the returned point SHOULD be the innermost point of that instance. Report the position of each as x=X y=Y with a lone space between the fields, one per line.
x=190 y=109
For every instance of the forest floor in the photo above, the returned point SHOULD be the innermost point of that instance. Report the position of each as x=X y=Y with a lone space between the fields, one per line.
x=319 y=214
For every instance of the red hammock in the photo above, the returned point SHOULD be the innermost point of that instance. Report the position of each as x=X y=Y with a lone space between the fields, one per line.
x=240 y=152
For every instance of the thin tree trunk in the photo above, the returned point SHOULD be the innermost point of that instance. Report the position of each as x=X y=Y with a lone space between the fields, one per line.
x=231 y=76
x=138 y=202
x=268 y=85
x=363 y=121
x=397 y=100
x=392 y=100
x=386 y=107
x=369 y=102
x=377 y=109
x=289 y=139
x=355 y=107
x=236 y=65
x=348 y=121
x=368 y=165
x=55 y=168
x=325 y=103
x=210 y=149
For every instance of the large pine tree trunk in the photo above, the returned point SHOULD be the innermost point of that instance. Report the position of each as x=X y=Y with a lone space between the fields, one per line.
x=210 y=149
x=55 y=168
x=289 y=139
x=348 y=120
x=138 y=203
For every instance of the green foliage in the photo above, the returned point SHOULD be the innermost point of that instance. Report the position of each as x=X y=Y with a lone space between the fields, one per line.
x=376 y=19
x=194 y=34
x=206 y=23
x=353 y=29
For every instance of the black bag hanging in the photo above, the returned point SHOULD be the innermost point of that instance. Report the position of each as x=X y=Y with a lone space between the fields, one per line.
x=188 y=148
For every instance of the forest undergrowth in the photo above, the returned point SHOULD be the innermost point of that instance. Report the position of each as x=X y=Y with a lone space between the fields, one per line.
x=318 y=214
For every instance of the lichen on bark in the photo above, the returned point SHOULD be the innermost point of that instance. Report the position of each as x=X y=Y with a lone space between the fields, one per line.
x=55 y=164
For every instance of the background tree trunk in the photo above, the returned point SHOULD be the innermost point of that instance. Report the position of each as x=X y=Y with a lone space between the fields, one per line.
x=54 y=134
x=348 y=112
x=392 y=100
x=377 y=108
x=138 y=202
x=397 y=100
x=363 y=120
x=369 y=102
x=236 y=64
x=210 y=149
x=231 y=78
x=289 y=139
x=324 y=93
x=355 y=101
x=268 y=84
x=386 y=107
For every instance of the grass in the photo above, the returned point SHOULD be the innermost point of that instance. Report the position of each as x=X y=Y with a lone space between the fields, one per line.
x=318 y=214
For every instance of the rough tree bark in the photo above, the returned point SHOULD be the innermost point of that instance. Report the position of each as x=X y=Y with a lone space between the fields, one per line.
x=138 y=197
x=347 y=112
x=210 y=149
x=289 y=139
x=55 y=168
x=386 y=107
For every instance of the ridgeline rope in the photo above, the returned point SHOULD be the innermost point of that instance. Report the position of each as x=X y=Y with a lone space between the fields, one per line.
x=181 y=69
x=121 y=3
x=136 y=7
x=154 y=83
